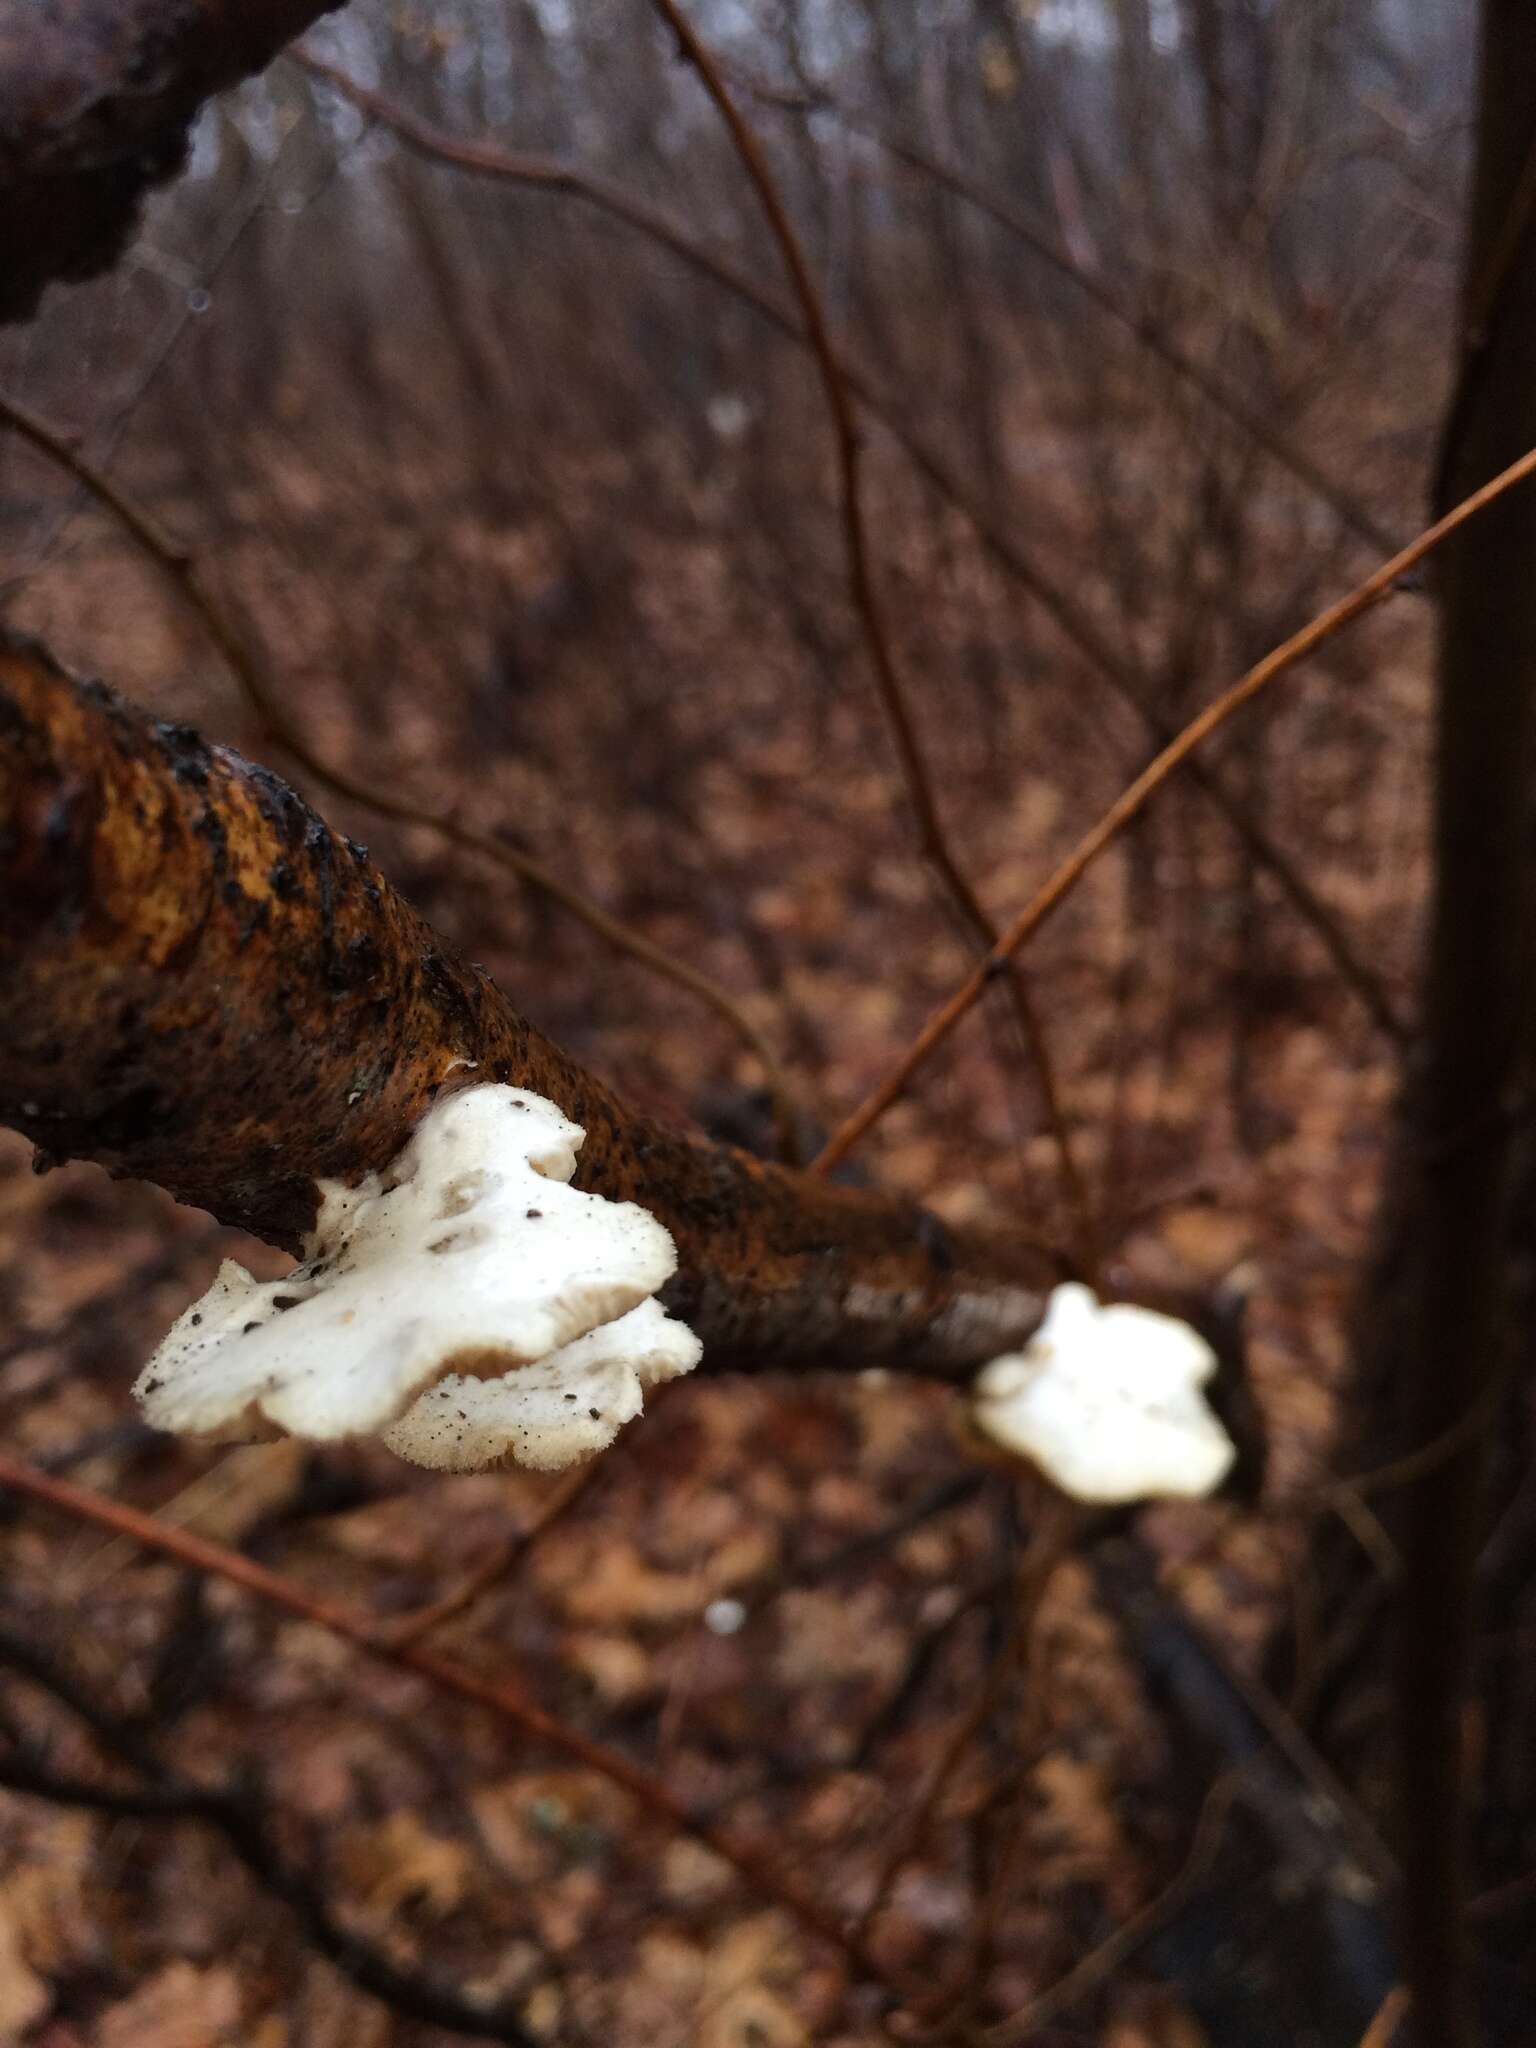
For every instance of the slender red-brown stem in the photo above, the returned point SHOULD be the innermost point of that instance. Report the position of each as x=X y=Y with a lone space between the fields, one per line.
x=502 y=1696
x=933 y=839
x=1101 y=1963
x=1072 y=620
x=1389 y=2017
x=1363 y=598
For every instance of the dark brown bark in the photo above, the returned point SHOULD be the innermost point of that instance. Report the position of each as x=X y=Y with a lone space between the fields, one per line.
x=1477 y=1017
x=97 y=98
x=202 y=985
x=1445 y=1355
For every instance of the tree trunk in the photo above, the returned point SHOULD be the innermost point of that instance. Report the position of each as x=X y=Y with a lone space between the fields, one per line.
x=1452 y=1283
x=202 y=985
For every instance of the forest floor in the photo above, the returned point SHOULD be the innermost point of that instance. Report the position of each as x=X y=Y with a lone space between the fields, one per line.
x=785 y=1598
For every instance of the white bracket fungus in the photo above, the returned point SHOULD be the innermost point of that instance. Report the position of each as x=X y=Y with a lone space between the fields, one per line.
x=554 y=1411
x=1107 y=1402
x=466 y=1303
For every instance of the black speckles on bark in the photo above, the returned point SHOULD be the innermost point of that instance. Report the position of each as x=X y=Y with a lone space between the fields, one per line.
x=220 y=995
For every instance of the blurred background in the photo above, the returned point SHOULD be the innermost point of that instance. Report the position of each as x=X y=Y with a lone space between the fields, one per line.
x=519 y=479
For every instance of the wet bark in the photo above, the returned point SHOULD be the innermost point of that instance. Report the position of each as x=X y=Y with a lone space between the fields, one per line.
x=1446 y=1368
x=202 y=985
x=97 y=99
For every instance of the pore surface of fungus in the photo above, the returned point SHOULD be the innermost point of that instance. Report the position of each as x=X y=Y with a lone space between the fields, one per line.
x=469 y=1262
x=554 y=1411
x=1107 y=1402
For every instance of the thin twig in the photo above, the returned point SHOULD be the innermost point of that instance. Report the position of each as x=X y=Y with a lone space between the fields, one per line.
x=181 y=568
x=415 y=1627
x=1101 y=1963
x=1391 y=2013
x=756 y=1867
x=933 y=839
x=921 y=1658
x=1142 y=329
x=1058 y=1521
x=941 y=1499
x=1072 y=621
x=237 y=1814
x=917 y=1817
x=1133 y=800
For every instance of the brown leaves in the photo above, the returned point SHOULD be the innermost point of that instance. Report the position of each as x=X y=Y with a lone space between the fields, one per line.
x=24 y=1994
x=181 y=2006
x=398 y=1865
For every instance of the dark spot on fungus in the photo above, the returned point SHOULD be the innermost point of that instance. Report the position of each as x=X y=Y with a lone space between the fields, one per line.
x=534 y=1214
x=246 y=1331
x=286 y=1300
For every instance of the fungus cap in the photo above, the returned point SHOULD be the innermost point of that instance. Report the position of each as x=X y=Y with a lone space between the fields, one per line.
x=548 y=1414
x=1107 y=1402
x=469 y=1256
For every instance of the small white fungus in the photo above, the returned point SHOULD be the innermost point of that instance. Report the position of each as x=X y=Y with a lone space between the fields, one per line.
x=469 y=1268
x=1107 y=1402
x=550 y=1413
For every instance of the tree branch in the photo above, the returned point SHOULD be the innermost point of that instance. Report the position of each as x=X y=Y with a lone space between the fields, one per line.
x=183 y=572
x=932 y=836
x=1141 y=326
x=202 y=985
x=1363 y=598
x=97 y=99
x=759 y=1868
x=238 y=1814
x=1074 y=621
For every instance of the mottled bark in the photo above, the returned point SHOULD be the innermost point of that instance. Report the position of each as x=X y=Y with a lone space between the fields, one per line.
x=97 y=98
x=204 y=986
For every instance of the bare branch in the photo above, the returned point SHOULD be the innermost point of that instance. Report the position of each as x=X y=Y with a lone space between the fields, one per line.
x=933 y=839
x=1036 y=235
x=757 y=1867
x=1072 y=620
x=97 y=98
x=1389 y=2017
x=238 y=1815
x=202 y=985
x=182 y=570
x=1364 y=597
x=1101 y=1963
